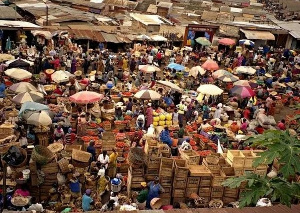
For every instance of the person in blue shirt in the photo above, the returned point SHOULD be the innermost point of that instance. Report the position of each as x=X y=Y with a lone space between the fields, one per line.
x=2 y=89
x=165 y=137
x=75 y=187
x=168 y=100
x=87 y=201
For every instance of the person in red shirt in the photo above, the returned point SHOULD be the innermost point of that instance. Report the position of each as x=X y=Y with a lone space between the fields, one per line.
x=56 y=63
x=58 y=91
x=247 y=113
x=259 y=129
x=159 y=58
x=281 y=125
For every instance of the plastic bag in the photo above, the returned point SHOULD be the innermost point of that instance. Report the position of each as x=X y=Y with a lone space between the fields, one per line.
x=13 y=156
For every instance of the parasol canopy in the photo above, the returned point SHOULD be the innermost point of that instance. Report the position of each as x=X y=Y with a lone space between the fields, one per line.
x=203 y=41
x=228 y=78
x=196 y=70
x=19 y=63
x=219 y=73
x=28 y=96
x=210 y=65
x=245 y=83
x=170 y=85
x=148 y=68
x=243 y=92
x=142 y=37
x=86 y=97
x=227 y=41
x=246 y=70
x=32 y=106
x=158 y=38
x=39 y=118
x=147 y=95
x=177 y=67
x=61 y=76
x=209 y=89
x=6 y=57
x=18 y=74
x=247 y=42
x=22 y=87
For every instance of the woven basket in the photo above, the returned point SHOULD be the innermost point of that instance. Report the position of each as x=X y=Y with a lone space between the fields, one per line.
x=81 y=156
x=42 y=155
x=212 y=159
x=78 y=164
x=63 y=165
x=55 y=147
x=108 y=105
x=24 y=153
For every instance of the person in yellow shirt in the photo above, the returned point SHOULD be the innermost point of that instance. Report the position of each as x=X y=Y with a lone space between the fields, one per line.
x=125 y=63
x=113 y=163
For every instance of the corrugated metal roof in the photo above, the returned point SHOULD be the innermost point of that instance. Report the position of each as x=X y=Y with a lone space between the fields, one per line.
x=9 y=13
x=109 y=37
x=260 y=35
x=292 y=27
x=86 y=34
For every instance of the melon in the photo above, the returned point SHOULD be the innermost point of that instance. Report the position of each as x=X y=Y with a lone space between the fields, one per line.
x=155 y=113
x=155 y=123
x=162 y=123
x=169 y=123
x=156 y=119
x=169 y=117
x=162 y=117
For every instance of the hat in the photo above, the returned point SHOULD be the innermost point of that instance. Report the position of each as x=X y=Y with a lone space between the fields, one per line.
x=50 y=71
x=156 y=178
x=143 y=184
x=88 y=192
x=78 y=73
x=149 y=104
x=92 y=73
x=297 y=66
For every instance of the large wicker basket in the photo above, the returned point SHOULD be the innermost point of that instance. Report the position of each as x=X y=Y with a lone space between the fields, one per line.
x=81 y=156
x=24 y=162
x=42 y=155
x=63 y=165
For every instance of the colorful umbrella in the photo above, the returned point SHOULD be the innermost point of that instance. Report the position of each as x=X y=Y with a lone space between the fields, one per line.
x=175 y=66
x=86 y=97
x=18 y=74
x=203 y=41
x=22 y=87
x=195 y=70
x=170 y=85
x=147 y=95
x=243 y=92
x=219 y=73
x=227 y=41
x=39 y=119
x=32 y=106
x=61 y=76
x=243 y=83
x=148 y=68
x=246 y=70
x=28 y=96
x=210 y=65
x=247 y=42
x=209 y=89
x=228 y=78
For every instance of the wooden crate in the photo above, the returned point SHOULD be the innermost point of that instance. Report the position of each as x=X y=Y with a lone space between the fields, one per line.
x=217 y=180
x=166 y=167
x=150 y=171
x=178 y=193
x=205 y=181
x=193 y=182
x=178 y=200
x=189 y=191
x=152 y=151
x=165 y=181
x=153 y=162
x=69 y=148
x=217 y=192
x=204 y=191
x=165 y=201
x=181 y=168
x=149 y=178
x=261 y=172
x=238 y=171
x=50 y=168
x=250 y=156
x=179 y=183
x=168 y=190
x=191 y=157
x=213 y=168
x=199 y=171
x=233 y=193
x=236 y=158
x=137 y=171
x=227 y=200
x=229 y=172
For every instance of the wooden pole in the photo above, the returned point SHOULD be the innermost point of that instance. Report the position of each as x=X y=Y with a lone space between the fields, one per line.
x=4 y=183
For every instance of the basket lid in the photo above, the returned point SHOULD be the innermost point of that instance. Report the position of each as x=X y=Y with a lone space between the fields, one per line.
x=55 y=147
x=20 y=201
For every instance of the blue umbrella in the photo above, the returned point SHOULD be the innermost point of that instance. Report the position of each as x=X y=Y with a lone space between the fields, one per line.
x=32 y=106
x=175 y=66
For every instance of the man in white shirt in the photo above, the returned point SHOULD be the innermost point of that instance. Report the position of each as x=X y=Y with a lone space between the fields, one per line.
x=104 y=159
x=150 y=59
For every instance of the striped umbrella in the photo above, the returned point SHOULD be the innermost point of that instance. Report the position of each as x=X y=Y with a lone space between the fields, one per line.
x=28 y=96
x=147 y=95
x=228 y=78
x=243 y=92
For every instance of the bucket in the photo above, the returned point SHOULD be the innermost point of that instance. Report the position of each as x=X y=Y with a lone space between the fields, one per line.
x=26 y=174
x=116 y=188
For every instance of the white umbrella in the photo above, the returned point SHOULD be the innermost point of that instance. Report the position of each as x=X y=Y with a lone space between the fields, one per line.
x=171 y=85
x=147 y=95
x=142 y=37
x=209 y=89
x=22 y=87
x=148 y=68
x=195 y=70
x=18 y=74
x=158 y=38
x=61 y=76
x=39 y=118
x=218 y=73
x=28 y=96
x=246 y=70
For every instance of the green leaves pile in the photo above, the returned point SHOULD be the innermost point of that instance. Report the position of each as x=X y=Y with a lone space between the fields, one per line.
x=285 y=148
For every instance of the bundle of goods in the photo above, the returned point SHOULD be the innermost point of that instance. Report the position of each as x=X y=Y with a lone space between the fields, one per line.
x=162 y=118
x=191 y=156
x=42 y=155
x=6 y=130
x=80 y=158
x=136 y=157
x=15 y=157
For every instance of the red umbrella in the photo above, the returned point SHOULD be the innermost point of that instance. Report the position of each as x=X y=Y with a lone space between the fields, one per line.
x=86 y=97
x=227 y=41
x=210 y=65
x=243 y=92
